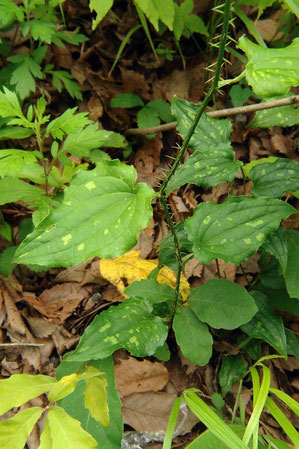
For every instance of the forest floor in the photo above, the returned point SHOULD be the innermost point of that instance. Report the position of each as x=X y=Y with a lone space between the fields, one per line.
x=43 y=314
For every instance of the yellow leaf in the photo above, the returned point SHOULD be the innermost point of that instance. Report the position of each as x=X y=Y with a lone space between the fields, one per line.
x=131 y=267
x=95 y=399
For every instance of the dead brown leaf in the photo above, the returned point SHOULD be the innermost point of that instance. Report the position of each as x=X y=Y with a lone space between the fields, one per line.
x=85 y=273
x=149 y=412
x=178 y=84
x=133 y=376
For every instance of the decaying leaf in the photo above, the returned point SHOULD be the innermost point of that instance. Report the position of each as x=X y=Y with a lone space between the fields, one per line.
x=124 y=270
x=134 y=376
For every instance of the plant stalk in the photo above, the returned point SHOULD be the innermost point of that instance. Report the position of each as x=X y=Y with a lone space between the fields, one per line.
x=202 y=107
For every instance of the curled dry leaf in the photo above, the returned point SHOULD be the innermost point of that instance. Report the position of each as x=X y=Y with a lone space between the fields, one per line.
x=124 y=270
x=133 y=376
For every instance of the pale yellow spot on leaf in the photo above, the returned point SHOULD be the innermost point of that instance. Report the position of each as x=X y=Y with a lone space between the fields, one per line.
x=66 y=239
x=90 y=185
x=81 y=247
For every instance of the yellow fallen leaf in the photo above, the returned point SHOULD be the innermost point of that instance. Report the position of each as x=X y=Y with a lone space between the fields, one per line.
x=131 y=267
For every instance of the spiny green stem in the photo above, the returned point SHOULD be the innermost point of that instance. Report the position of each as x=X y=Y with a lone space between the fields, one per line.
x=162 y=194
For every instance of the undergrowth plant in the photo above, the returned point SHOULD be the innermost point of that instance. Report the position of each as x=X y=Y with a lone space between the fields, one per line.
x=50 y=164
x=60 y=430
x=103 y=210
x=38 y=22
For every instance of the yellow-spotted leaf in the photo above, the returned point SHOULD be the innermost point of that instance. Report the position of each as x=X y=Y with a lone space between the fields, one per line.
x=271 y=72
x=67 y=433
x=102 y=214
x=131 y=267
x=234 y=230
x=20 y=388
x=95 y=399
x=15 y=431
x=130 y=325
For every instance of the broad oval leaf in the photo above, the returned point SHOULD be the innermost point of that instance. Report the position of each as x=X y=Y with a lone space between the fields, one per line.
x=292 y=270
x=129 y=325
x=15 y=431
x=101 y=215
x=150 y=290
x=276 y=245
x=66 y=432
x=275 y=179
x=271 y=71
x=222 y=304
x=266 y=324
x=281 y=116
x=188 y=328
x=20 y=388
x=231 y=371
x=108 y=437
x=234 y=230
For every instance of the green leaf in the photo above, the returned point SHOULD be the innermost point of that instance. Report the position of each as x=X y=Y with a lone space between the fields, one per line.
x=129 y=325
x=280 y=299
x=188 y=328
x=14 y=132
x=66 y=123
x=266 y=325
x=208 y=132
x=45 y=438
x=162 y=108
x=292 y=271
x=107 y=437
x=101 y=7
x=206 y=168
x=239 y=95
x=181 y=12
x=276 y=245
x=264 y=160
x=23 y=76
x=6 y=257
x=40 y=30
x=95 y=399
x=213 y=421
x=292 y=343
x=43 y=205
x=156 y=10
x=80 y=142
x=99 y=208
x=208 y=440
x=12 y=190
x=12 y=161
x=166 y=250
x=66 y=432
x=234 y=230
x=20 y=388
x=213 y=159
x=163 y=353
x=9 y=11
x=275 y=179
x=126 y=101
x=150 y=290
x=271 y=71
x=196 y=25
x=280 y=116
x=222 y=304
x=147 y=118
x=15 y=431
x=232 y=370
x=63 y=78
x=9 y=104
x=5 y=228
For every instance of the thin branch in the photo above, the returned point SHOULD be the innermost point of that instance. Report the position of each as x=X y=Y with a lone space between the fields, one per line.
x=221 y=113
